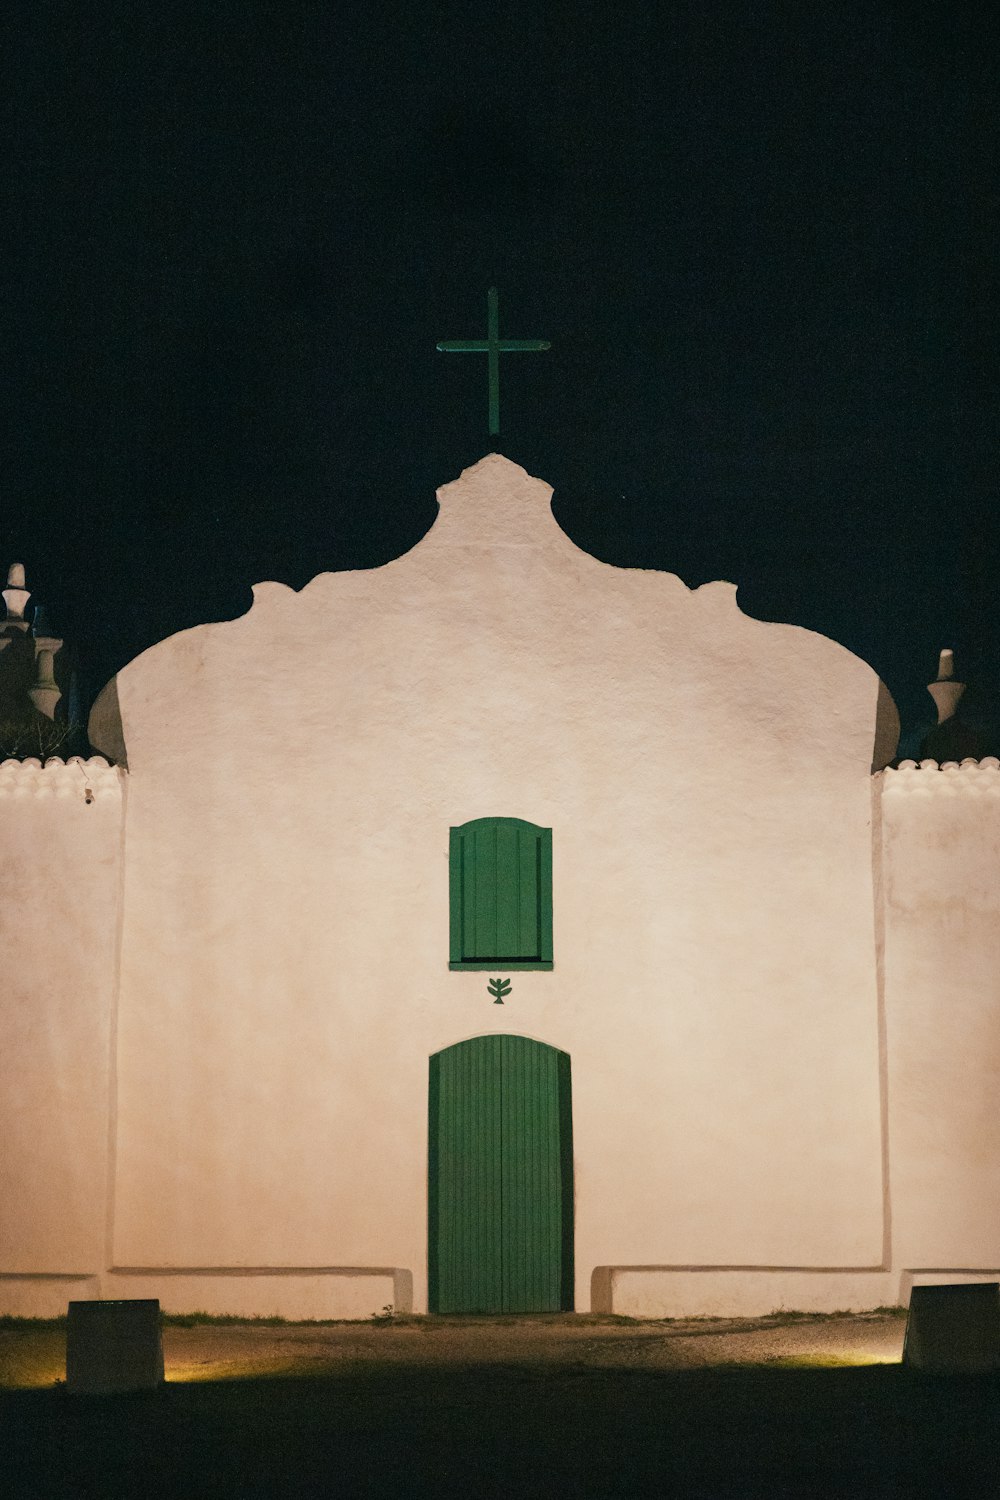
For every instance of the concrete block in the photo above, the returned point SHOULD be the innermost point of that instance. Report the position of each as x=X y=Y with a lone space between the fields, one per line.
x=113 y=1347
x=954 y=1329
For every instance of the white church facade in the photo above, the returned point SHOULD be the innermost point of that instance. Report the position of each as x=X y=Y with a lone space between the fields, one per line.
x=497 y=930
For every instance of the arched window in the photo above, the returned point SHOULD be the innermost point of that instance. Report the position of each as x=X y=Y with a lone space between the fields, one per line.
x=501 y=895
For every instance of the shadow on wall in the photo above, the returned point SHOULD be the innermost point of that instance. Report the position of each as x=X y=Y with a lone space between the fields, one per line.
x=104 y=728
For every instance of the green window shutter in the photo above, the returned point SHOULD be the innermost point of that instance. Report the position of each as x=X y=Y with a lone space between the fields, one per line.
x=455 y=851
x=545 y=894
x=501 y=894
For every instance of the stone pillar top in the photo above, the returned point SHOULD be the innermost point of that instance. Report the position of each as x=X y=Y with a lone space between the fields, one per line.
x=16 y=596
x=45 y=693
x=945 y=690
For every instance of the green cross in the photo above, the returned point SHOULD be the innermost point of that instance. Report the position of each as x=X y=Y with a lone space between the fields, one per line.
x=493 y=346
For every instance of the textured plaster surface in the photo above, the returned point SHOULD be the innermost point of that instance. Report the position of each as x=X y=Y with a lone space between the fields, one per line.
x=941 y=833
x=60 y=826
x=293 y=776
x=748 y=1292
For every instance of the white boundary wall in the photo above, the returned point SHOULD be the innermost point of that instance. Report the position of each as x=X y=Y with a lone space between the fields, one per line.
x=941 y=853
x=60 y=853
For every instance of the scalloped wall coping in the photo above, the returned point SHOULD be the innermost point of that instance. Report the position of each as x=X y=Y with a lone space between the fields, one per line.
x=945 y=778
x=61 y=778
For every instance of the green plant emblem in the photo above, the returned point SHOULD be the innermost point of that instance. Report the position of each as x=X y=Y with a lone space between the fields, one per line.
x=498 y=988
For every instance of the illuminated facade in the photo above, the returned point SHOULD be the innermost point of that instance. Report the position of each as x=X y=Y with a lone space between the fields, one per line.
x=497 y=929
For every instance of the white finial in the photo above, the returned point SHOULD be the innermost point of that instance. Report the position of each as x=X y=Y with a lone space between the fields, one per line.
x=945 y=691
x=16 y=596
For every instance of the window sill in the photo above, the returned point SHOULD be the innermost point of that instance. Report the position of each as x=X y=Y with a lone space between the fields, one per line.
x=502 y=965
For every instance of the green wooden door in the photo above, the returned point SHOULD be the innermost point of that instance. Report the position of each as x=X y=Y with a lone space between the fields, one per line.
x=501 y=1177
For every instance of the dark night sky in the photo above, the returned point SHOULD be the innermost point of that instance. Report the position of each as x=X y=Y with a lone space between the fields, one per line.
x=761 y=238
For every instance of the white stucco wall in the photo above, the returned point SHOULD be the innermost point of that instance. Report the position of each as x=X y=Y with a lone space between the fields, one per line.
x=60 y=842
x=293 y=776
x=941 y=840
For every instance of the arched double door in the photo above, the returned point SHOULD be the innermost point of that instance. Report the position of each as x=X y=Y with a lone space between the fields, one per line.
x=500 y=1174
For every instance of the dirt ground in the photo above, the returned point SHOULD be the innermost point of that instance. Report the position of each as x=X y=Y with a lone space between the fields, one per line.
x=521 y=1408
x=35 y=1356
x=567 y=1341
